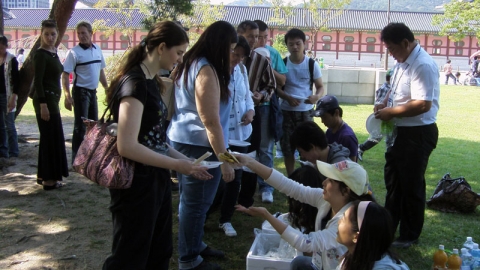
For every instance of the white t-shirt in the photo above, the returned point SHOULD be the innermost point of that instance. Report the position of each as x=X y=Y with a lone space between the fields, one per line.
x=416 y=79
x=87 y=64
x=298 y=84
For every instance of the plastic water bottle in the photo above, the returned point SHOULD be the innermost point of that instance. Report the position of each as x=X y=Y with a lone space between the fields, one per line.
x=467 y=260
x=476 y=257
x=469 y=243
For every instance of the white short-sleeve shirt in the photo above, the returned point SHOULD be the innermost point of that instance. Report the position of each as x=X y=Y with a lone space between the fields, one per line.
x=298 y=84
x=86 y=65
x=416 y=79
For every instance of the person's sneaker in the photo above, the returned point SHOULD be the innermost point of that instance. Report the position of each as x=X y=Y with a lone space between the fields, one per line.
x=267 y=197
x=207 y=266
x=360 y=154
x=228 y=229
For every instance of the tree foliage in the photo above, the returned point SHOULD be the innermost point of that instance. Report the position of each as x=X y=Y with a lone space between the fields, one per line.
x=124 y=13
x=278 y=42
x=460 y=19
x=166 y=10
x=203 y=14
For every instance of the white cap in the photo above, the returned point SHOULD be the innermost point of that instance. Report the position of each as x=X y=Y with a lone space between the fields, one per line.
x=441 y=247
x=469 y=238
x=475 y=246
x=455 y=251
x=464 y=250
x=348 y=172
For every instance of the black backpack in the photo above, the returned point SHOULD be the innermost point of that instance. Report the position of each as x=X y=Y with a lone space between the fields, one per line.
x=311 y=64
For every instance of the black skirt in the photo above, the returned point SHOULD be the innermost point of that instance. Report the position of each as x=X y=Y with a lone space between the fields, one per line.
x=52 y=156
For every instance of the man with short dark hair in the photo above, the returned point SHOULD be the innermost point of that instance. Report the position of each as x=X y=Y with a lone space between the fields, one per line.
x=338 y=131
x=413 y=104
x=87 y=63
x=262 y=84
x=310 y=141
x=303 y=88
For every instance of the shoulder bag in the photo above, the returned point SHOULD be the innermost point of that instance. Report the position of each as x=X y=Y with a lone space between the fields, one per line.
x=98 y=158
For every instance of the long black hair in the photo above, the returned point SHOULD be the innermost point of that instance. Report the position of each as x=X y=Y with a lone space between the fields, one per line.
x=302 y=215
x=167 y=32
x=215 y=45
x=374 y=238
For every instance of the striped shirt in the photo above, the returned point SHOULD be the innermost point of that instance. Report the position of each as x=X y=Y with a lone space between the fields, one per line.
x=381 y=92
x=260 y=75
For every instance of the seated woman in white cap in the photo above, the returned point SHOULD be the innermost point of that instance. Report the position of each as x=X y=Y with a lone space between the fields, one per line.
x=346 y=182
x=367 y=231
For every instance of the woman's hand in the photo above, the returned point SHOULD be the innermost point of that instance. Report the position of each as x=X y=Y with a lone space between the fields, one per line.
x=228 y=173
x=44 y=112
x=243 y=159
x=253 y=211
x=312 y=99
x=247 y=118
x=187 y=167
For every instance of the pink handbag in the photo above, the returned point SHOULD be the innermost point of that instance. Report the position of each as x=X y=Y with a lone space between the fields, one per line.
x=98 y=158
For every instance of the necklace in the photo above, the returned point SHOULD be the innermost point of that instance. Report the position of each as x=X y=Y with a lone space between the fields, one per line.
x=53 y=54
x=150 y=75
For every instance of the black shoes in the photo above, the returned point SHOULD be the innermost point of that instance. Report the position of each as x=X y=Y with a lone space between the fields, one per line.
x=207 y=266
x=210 y=252
x=404 y=243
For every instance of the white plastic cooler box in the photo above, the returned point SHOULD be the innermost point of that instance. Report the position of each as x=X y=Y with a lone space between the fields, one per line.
x=261 y=262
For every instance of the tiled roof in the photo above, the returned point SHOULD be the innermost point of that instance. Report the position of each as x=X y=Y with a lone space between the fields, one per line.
x=363 y=20
x=31 y=18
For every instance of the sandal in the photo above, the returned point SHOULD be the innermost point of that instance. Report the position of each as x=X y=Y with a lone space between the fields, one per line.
x=57 y=185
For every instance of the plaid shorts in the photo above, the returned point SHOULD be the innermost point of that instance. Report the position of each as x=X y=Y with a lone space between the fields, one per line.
x=291 y=120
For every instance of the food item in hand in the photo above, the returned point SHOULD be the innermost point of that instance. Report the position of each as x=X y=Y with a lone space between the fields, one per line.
x=202 y=158
x=228 y=157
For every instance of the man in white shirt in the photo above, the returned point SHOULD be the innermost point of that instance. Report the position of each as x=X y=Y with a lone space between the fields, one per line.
x=413 y=104
x=298 y=95
x=87 y=63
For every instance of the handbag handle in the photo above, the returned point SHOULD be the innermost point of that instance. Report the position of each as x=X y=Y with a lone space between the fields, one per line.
x=110 y=103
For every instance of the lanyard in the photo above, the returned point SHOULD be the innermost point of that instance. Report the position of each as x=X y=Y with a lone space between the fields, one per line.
x=396 y=81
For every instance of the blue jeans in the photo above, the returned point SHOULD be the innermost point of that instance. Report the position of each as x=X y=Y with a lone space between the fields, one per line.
x=196 y=197
x=3 y=130
x=84 y=105
x=265 y=152
x=11 y=134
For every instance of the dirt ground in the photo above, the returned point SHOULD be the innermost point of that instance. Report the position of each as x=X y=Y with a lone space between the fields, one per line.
x=68 y=228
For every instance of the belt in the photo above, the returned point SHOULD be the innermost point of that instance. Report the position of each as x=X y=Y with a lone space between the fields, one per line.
x=264 y=103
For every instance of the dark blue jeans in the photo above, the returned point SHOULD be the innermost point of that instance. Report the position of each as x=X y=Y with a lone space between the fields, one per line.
x=11 y=135
x=3 y=130
x=84 y=105
x=196 y=197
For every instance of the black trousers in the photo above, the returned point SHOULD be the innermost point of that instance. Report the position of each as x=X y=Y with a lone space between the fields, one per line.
x=142 y=221
x=406 y=162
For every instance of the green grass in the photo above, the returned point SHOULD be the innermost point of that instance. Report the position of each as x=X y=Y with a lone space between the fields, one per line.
x=456 y=152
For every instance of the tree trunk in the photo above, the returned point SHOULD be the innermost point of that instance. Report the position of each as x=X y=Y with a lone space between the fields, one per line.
x=61 y=12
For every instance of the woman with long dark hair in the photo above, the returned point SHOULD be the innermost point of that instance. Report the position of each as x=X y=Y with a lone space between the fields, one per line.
x=303 y=215
x=52 y=156
x=366 y=229
x=142 y=214
x=346 y=182
x=200 y=124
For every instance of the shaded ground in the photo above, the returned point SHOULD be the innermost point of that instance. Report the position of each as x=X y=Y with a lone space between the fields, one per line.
x=69 y=228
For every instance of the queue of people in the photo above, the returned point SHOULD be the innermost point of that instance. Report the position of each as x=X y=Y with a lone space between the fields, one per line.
x=225 y=92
